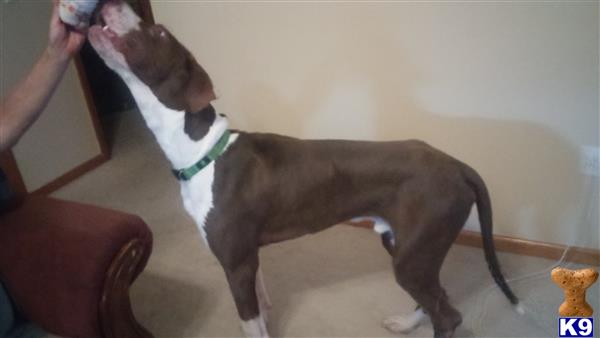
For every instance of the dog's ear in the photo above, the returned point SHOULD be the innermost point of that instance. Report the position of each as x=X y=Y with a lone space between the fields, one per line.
x=199 y=92
x=186 y=87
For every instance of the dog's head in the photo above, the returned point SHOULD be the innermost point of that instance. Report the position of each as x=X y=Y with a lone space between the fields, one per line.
x=132 y=47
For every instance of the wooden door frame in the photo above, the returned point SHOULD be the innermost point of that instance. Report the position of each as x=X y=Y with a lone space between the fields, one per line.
x=7 y=159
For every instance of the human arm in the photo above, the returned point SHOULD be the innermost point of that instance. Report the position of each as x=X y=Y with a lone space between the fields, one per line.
x=25 y=102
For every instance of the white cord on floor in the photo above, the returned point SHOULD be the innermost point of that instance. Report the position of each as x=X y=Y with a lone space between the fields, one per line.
x=589 y=205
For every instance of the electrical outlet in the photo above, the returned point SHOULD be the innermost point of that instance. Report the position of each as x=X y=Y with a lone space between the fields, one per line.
x=590 y=161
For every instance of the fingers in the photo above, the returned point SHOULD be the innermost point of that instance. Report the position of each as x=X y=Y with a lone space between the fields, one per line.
x=55 y=18
x=76 y=41
x=79 y=38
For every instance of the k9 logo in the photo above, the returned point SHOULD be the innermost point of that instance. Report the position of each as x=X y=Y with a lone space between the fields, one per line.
x=576 y=327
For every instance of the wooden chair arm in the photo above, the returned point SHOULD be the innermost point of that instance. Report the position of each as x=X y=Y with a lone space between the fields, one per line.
x=116 y=316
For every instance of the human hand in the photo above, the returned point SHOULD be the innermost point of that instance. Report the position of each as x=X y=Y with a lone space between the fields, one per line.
x=63 y=42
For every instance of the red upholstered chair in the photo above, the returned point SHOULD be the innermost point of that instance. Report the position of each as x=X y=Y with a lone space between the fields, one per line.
x=68 y=266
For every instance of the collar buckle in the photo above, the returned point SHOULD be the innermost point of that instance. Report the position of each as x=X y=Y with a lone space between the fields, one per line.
x=179 y=174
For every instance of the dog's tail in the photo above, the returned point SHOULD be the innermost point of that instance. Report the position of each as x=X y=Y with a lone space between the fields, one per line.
x=484 y=208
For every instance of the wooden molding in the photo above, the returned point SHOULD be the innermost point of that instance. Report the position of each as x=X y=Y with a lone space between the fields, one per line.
x=146 y=11
x=10 y=167
x=93 y=112
x=9 y=164
x=72 y=175
x=105 y=153
x=522 y=246
x=533 y=248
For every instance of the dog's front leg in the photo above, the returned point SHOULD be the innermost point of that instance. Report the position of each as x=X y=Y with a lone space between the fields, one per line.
x=242 y=281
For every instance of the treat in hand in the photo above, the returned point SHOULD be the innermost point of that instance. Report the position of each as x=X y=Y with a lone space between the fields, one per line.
x=77 y=13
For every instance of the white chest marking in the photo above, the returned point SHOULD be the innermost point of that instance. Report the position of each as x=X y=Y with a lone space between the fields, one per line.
x=182 y=151
x=197 y=193
x=197 y=196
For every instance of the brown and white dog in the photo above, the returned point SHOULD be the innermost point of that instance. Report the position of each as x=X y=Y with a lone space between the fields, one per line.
x=266 y=188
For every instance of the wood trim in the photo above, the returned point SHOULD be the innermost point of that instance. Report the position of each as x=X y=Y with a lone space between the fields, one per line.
x=93 y=112
x=521 y=246
x=147 y=14
x=72 y=175
x=9 y=164
x=533 y=248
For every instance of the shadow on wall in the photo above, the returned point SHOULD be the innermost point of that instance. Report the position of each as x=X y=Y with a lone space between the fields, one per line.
x=531 y=171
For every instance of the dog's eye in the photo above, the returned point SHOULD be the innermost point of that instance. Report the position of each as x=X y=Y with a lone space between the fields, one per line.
x=160 y=30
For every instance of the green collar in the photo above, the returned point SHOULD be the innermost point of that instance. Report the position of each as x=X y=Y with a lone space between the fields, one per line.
x=216 y=151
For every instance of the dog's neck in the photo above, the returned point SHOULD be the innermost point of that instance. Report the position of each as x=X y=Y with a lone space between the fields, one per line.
x=168 y=126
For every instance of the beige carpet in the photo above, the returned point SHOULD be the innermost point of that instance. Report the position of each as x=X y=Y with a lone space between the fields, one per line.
x=337 y=283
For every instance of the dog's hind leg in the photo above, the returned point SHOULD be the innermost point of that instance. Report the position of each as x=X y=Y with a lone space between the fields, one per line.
x=426 y=223
x=423 y=284
x=264 y=302
x=399 y=323
x=418 y=260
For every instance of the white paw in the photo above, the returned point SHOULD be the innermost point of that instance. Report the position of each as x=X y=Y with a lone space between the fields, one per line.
x=403 y=324
x=255 y=328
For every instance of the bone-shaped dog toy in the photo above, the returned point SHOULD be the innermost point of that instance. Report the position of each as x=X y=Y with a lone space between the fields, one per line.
x=575 y=284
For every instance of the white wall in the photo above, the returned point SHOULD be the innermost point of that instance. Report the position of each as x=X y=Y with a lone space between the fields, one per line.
x=511 y=88
x=63 y=137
